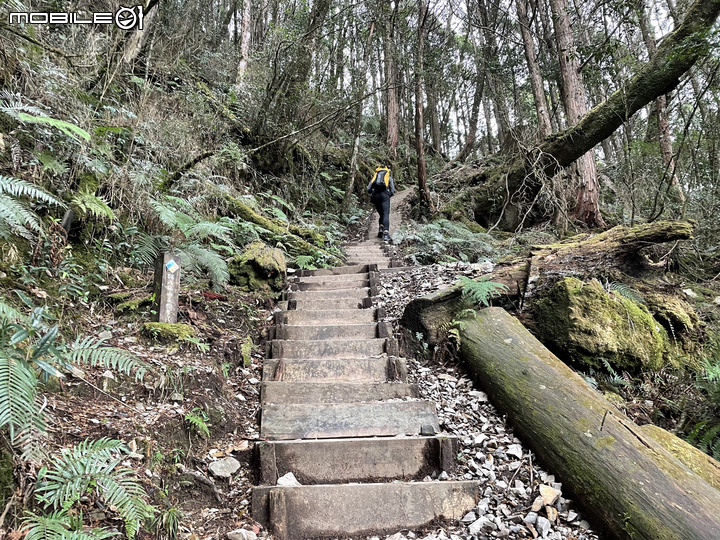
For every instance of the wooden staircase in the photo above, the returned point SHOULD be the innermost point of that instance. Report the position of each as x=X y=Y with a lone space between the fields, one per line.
x=337 y=412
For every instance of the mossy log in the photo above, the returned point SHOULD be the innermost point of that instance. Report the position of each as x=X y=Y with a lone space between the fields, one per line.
x=294 y=241
x=632 y=486
x=519 y=177
x=618 y=248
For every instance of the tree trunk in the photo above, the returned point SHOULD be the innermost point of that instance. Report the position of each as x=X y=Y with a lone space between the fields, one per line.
x=433 y=114
x=521 y=175
x=469 y=145
x=244 y=41
x=391 y=81
x=536 y=83
x=138 y=38
x=419 y=124
x=357 y=122
x=663 y=124
x=629 y=483
x=588 y=195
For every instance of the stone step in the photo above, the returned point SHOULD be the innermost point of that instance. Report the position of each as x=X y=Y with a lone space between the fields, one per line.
x=328 y=316
x=338 y=270
x=334 y=420
x=332 y=461
x=315 y=332
x=340 y=278
x=316 y=392
x=350 y=510
x=337 y=303
x=338 y=348
x=327 y=370
x=360 y=252
x=324 y=294
x=330 y=285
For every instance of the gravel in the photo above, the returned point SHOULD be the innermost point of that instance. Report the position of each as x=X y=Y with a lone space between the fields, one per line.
x=519 y=499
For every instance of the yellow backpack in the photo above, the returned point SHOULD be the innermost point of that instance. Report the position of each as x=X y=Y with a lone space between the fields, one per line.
x=386 y=177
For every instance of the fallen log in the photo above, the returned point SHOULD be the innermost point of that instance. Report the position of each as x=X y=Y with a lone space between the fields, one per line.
x=627 y=482
x=616 y=250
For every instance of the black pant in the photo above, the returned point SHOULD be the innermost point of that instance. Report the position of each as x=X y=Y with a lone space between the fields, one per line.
x=381 y=201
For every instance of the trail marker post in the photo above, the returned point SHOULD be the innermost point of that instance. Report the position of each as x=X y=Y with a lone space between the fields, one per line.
x=167 y=288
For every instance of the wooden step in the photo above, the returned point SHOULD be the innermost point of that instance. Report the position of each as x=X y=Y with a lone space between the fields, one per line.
x=332 y=420
x=329 y=332
x=339 y=348
x=362 y=370
x=332 y=461
x=329 y=294
x=338 y=270
x=330 y=285
x=317 y=392
x=337 y=303
x=323 y=317
x=348 y=510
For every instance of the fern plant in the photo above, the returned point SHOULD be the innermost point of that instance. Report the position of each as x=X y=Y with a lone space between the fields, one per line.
x=480 y=292
x=705 y=435
x=16 y=217
x=198 y=422
x=59 y=525
x=31 y=348
x=92 y=467
x=199 y=242
x=87 y=204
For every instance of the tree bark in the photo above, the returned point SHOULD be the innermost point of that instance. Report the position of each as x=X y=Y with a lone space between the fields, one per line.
x=357 y=121
x=624 y=479
x=391 y=82
x=419 y=124
x=663 y=123
x=575 y=100
x=521 y=175
x=244 y=41
x=536 y=84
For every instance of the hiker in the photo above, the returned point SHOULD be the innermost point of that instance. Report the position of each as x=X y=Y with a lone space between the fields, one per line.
x=381 y=188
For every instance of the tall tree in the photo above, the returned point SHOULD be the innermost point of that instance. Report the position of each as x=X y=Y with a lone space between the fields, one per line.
x=392 y=108
x=576 y=106
x=423 y=10
x=536 y=83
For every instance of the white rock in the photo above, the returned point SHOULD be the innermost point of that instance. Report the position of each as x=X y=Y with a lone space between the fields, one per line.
x=288 y=480
x=531 y=517
x=690 y=293
x=443 y=476
x=469 y=517
x=241 y=534
x=224 y=468
x=542 y=525
x=515 y=450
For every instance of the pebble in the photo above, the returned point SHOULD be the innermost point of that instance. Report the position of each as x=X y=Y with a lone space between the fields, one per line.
x=488 y=451
x=224 y=468
x=241 y=534
x=288 y=480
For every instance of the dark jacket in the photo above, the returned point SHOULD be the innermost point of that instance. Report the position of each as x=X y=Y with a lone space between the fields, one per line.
x=390 y=188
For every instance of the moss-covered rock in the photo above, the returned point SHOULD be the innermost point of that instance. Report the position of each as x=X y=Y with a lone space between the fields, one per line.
x=676 y=315
x=169 y=332
x=133 y=304
x=259 y=267
x=584 y=323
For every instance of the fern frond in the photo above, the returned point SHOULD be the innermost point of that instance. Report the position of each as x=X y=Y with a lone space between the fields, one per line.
x=305 y=262
x=626 y=291
x=480 y=292
x=148 y=247
x=210 y=229
x=18 y=390
x=95 y=464
x=90 y=351
x=21 y=188
x=89 y=204
x=11 y=104
x=68 y=128
x=17 y=219
x=9 y=313
x=200 y=257
x=172 y=218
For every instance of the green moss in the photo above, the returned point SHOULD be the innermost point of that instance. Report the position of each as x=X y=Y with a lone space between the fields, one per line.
x=120 y=296
x=584 y=323
x=604 y=442
x=133 y=305
x=259 y=267
x=169 y=332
